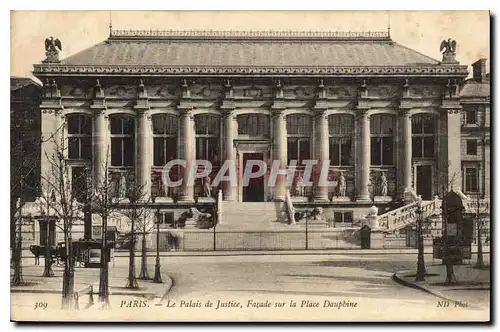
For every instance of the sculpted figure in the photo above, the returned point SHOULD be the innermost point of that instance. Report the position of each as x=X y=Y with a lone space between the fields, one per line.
x=207 y=186
x=122 y=191
x=317 y=213
x=299 y=186
x=342 y=185
x=383 y=184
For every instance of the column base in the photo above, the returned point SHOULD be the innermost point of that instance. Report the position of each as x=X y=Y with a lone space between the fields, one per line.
x=229 y=198
x=363 y=198
x=185 y=199
x=321 y=199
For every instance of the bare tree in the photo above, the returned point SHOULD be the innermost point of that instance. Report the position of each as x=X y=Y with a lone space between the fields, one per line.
x=481 y=215
x=17 y=278
x=146 y=225
x=60 y=201
x=23 y=166
x=136 y=212
x=104 y=205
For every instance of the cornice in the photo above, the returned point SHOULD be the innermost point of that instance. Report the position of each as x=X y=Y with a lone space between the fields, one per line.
x=42 y=70
x=247 y=35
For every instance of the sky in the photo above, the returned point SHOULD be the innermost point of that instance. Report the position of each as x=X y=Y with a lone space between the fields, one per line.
x=422 y=31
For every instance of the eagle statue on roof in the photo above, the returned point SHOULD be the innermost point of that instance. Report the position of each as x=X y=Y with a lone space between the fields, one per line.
x=449 y=46
x=52 y=44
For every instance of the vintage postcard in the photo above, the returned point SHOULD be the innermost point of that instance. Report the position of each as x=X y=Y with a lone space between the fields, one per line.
x=250 y=166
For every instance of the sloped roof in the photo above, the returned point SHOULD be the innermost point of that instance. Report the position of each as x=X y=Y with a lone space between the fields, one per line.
x=21 y=82
x=476 y=89
x=245 y=51
x=249 y=53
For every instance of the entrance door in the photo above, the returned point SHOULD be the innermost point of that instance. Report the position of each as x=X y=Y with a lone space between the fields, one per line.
x=424 y=181
x=254 y=192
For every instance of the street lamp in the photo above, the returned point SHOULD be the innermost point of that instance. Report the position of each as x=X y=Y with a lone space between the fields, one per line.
x=420 y=276
x=157 y=277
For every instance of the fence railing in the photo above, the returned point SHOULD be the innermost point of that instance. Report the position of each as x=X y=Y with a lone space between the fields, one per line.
x=406 y=215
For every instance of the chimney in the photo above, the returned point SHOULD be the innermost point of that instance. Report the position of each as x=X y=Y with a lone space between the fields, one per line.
x=479 y=71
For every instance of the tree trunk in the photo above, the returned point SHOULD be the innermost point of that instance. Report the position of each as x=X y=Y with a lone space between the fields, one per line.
x=132 y=282
x=103 y=273
x=144 y=275
x=480 y=260
x=17 y=253
x=450 y=274
x=68 y=275
x=48 y=272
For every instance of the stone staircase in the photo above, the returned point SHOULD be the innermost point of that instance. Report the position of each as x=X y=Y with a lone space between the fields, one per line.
x=407 y=215
x=252 y=215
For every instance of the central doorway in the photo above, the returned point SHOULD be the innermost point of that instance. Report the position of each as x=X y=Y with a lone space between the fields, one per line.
x=254 y=192
x=424 y=181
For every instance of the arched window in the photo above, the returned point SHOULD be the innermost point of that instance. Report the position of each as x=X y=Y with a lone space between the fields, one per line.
x=207 y=129
x=382 y=139
x=253 y=125
x=164 y=138
x=423 y=128
x=298 y=128
x=79 y=136
x=341 y=129
x=122 y=140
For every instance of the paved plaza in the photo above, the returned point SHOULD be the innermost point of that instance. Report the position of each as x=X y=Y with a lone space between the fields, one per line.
x=241 y=286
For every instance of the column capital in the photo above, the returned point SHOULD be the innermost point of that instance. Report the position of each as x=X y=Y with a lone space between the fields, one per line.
x=278 y=113
x=320 y=113
x=363 y=113
x=227 y=113
x=185 y=110
x=97 y=111
x=406 y=112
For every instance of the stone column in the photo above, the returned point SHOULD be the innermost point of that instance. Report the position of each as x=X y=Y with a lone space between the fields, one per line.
x=280 y=152
x=230 y=192
x=100 y=147
x=454 y=155
x=406 y=151
x=187 y=152
x=143 y=152
x=322 y=154
x=364 y=160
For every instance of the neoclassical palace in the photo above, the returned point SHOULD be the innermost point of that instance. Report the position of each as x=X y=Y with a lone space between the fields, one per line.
x=387 y=118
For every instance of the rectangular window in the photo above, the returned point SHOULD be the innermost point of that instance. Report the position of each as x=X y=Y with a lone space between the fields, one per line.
x=164 y=150
x=471 y=179
x=292 y=150
x=79 y=183
x=381 y=131
x=298 y=149
x=342 y=217
x=471 y=147
x=255 y=125
x=73 y=148
x=428 y=147
x=471 y=116
x=207 y=148
x=122 y=140
x=340 y=151
x=79 y=137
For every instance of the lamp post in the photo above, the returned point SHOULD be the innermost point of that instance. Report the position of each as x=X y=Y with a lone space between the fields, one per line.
x=157 y=277
x=420 y=276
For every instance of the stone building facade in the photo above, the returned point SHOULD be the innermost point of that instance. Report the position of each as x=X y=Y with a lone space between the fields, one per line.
x=388 y=118
x=475 y=132
x=25 y=125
